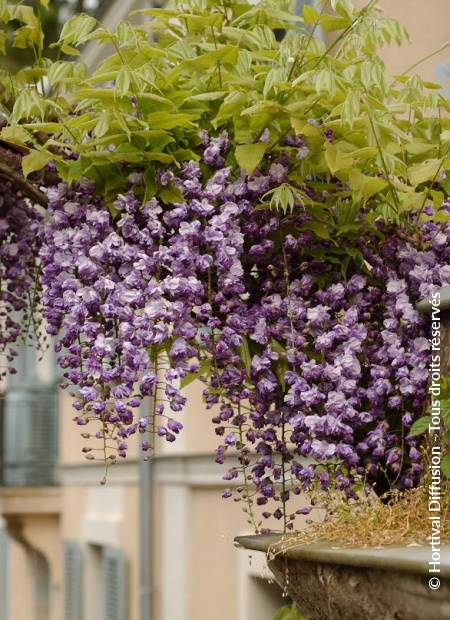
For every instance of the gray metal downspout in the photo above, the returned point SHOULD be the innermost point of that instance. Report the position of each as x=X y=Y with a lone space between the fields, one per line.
x=4 y=572
x=145 y=530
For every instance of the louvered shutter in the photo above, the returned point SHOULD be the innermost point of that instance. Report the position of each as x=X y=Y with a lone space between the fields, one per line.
x=30 y=436
x=114 y=584
x=73 y=581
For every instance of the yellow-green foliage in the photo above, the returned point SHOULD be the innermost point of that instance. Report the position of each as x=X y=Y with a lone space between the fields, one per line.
x=219 y=65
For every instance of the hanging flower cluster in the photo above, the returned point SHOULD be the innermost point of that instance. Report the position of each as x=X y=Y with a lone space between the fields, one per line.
x=315 y=379
x=20 y=234
x=338 y=371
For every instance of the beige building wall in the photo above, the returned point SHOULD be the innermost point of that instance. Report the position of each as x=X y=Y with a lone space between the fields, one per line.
x=428 y=23
x=20 y=594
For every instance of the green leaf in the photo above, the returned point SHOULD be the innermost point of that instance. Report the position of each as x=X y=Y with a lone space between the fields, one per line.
x=50 y=127
x=28 y=103
x=150 y=184
x=232 y=103
x=343 y=7
x=319 y=229
x=244 y=352
x=35 y=160
x=170 y=195
x=76 y=29
x=445 y=412
x=445 y=465
x=59 y=71
x=228 y=54
x=16 y=135
x=102 y=126
x=364 y=185
x=44 y=3
x=420 y=426
x=426 y=171
x=331 y=23
x=165 y=120
x=371 y=75
x=419 y=148
x=351 y=107
x=26 y=37
x=25 y=14
x=207 y=96
x=326 y=82
x=290 y=612
x=310 y=15
x=123 y=81
x=69 y=50
x=3 y=41
x=249 y=156
x=281 y=367
x=198 y=23
x=204 y=369
x=283 y=197
x=336 y=159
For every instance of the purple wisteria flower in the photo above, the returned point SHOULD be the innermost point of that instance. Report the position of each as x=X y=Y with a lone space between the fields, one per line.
x=20 y=239
x=303 y=362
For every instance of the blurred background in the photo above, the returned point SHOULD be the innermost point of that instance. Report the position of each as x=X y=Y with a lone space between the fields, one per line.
x=155 y=543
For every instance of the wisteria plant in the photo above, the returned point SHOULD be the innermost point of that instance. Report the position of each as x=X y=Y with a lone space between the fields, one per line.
x=227 y=197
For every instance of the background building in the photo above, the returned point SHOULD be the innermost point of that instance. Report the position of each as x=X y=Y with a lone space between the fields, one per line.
x=155 y=543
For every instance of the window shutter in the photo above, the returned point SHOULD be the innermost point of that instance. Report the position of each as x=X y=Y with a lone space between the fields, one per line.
x=114 y=584
x=30 y=436
x=73 y=581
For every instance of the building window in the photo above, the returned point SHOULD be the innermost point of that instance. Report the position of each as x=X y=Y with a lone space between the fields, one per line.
x=73 y=581
x=29 y=432
x=114 y=584
x=28 y=423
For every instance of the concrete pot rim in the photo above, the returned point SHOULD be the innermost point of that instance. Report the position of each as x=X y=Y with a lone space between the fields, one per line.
x=394 y=557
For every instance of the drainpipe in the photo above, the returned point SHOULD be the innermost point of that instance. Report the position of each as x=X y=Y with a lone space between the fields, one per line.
x=145 y=530
x=4 y=570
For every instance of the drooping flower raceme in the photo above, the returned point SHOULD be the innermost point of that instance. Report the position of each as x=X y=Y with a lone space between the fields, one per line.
x=20 y=236
x=314 y=378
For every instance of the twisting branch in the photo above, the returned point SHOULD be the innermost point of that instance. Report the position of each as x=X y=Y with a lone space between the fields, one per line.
x=29 y=190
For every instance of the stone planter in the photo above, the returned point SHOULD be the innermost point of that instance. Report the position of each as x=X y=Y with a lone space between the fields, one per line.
x=360 y=584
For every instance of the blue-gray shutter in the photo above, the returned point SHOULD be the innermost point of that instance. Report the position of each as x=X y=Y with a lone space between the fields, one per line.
x=30 y=436
x=115 y=585
x=73 y=580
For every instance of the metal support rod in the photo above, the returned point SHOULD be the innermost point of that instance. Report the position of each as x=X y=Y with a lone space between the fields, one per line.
x=145 y=530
